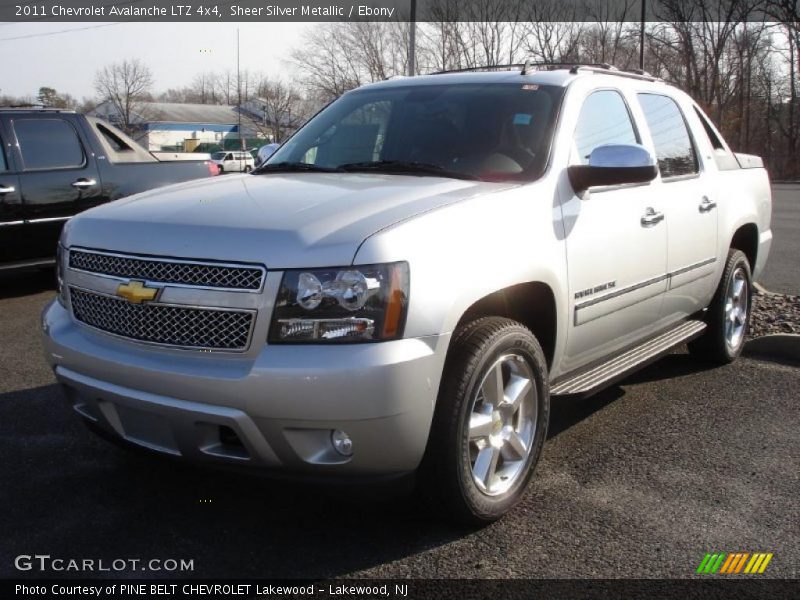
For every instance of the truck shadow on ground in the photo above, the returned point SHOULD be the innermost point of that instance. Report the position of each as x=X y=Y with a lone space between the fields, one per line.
x=566 y=412
x=68 y=493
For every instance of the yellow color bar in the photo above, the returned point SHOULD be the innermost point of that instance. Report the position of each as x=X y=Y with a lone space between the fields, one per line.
x=754 y=562
x=764 y=564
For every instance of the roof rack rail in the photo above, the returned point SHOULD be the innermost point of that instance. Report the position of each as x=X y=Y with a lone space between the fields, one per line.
x=606 y=69
x=573 y=67
x=34 y=108
x=524 y=67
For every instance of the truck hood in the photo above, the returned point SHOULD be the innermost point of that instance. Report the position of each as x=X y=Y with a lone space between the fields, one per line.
x=297 y=220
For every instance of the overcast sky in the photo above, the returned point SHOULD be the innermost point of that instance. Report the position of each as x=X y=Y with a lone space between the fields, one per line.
x=68 y=61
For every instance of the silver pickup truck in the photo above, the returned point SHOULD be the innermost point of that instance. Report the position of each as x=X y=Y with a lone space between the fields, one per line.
x=408 y=281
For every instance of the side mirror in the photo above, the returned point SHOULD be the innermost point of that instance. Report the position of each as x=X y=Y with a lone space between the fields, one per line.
x=613 y=164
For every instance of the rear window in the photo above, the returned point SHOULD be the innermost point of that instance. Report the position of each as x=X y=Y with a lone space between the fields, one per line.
x=116 y=142
x=713 y=138
x=673 y=144
x=48 y=144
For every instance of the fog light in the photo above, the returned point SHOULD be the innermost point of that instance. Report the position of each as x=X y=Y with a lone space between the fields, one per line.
x=342 y=442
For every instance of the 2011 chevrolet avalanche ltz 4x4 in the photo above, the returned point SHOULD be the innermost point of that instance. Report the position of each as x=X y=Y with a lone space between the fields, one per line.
x=408 y=280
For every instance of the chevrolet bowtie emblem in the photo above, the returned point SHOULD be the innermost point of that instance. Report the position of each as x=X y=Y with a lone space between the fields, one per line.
x=136 y=292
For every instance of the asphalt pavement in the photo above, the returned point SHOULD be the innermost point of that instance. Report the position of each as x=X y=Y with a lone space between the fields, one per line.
x=782 y=273
x=639 y=481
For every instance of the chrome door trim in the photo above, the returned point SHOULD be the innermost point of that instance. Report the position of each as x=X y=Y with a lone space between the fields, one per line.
x=691 y=267
x=637 y=286
x=49 y=219
x=619 y=292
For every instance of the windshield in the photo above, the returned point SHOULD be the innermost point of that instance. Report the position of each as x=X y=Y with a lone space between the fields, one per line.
x=494 y=132
x=218 y=155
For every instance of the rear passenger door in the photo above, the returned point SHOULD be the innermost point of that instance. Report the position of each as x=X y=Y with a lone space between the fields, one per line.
x=11 y=217
x=58 y=176
x=616 y=250
x=689 y=206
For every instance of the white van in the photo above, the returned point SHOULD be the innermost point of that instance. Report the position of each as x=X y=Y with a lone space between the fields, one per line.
x=233 y=161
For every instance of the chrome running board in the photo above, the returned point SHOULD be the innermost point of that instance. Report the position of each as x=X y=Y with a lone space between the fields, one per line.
x=604 y=374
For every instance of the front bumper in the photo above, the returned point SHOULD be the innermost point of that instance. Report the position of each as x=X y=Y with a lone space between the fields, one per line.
x=275 y=409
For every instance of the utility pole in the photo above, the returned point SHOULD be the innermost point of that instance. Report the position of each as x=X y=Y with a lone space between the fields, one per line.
x=239 y=90
x=412 y=41
x=641 y=35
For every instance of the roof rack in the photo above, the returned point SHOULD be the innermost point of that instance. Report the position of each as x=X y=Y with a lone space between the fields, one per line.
x=606 y=69
x=34 y=108
x=573 y=67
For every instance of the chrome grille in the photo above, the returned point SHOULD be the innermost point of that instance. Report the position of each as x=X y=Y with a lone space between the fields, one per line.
x=230 y=277
x=167 y=324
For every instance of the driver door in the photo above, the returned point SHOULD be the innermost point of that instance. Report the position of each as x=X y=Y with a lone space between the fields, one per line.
x=616 y=244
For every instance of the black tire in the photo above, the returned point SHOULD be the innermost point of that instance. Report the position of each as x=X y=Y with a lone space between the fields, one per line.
x=717 y=345
x=248 y=168
x=221 y=169
x=448 y=476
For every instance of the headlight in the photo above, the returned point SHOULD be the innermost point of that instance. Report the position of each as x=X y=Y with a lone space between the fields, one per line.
x=351 y=304
x=61 y=291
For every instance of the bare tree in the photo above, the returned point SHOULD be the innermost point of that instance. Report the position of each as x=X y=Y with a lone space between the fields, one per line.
x=127 y=86
x=326 y=61
x=552 y=34
x=283 y=109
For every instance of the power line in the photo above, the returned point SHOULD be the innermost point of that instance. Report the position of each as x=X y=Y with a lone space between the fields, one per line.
x=59 y=32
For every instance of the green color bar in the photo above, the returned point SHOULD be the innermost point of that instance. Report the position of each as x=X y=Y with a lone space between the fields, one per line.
x=718 y=564
x=711 y=562
x=702 y=566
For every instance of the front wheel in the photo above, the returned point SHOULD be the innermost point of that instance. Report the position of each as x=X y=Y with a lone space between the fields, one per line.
x=490 y=421
x=728 y=315
x=247 y=169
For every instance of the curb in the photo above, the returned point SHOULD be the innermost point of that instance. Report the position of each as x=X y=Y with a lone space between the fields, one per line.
x=762 y=290
x=779 y=347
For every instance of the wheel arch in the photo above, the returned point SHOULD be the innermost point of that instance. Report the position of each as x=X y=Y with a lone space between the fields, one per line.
x=533 y=304
x=745 y=238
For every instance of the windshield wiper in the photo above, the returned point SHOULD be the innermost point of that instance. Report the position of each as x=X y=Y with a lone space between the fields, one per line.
x=295 y=167
x=405 y=168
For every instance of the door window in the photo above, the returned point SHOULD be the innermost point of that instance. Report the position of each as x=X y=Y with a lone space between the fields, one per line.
x=48 y=144
x=604 y=119
x=673 y=144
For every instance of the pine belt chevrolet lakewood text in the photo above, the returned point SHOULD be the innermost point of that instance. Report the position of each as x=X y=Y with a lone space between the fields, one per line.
x=408 y=280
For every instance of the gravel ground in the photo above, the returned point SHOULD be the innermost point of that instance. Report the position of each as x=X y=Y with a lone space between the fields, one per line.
x=774 y=313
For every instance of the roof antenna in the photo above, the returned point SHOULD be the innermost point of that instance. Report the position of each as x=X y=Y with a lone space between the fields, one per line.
x=526 y=66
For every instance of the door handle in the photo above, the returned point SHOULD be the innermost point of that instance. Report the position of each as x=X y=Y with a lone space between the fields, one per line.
x=651 y=217
x=706 y=205
x=7 y=189
x=83 y=183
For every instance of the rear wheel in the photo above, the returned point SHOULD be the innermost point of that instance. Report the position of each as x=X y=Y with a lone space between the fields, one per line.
x=728 y=314
x=490 y=421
